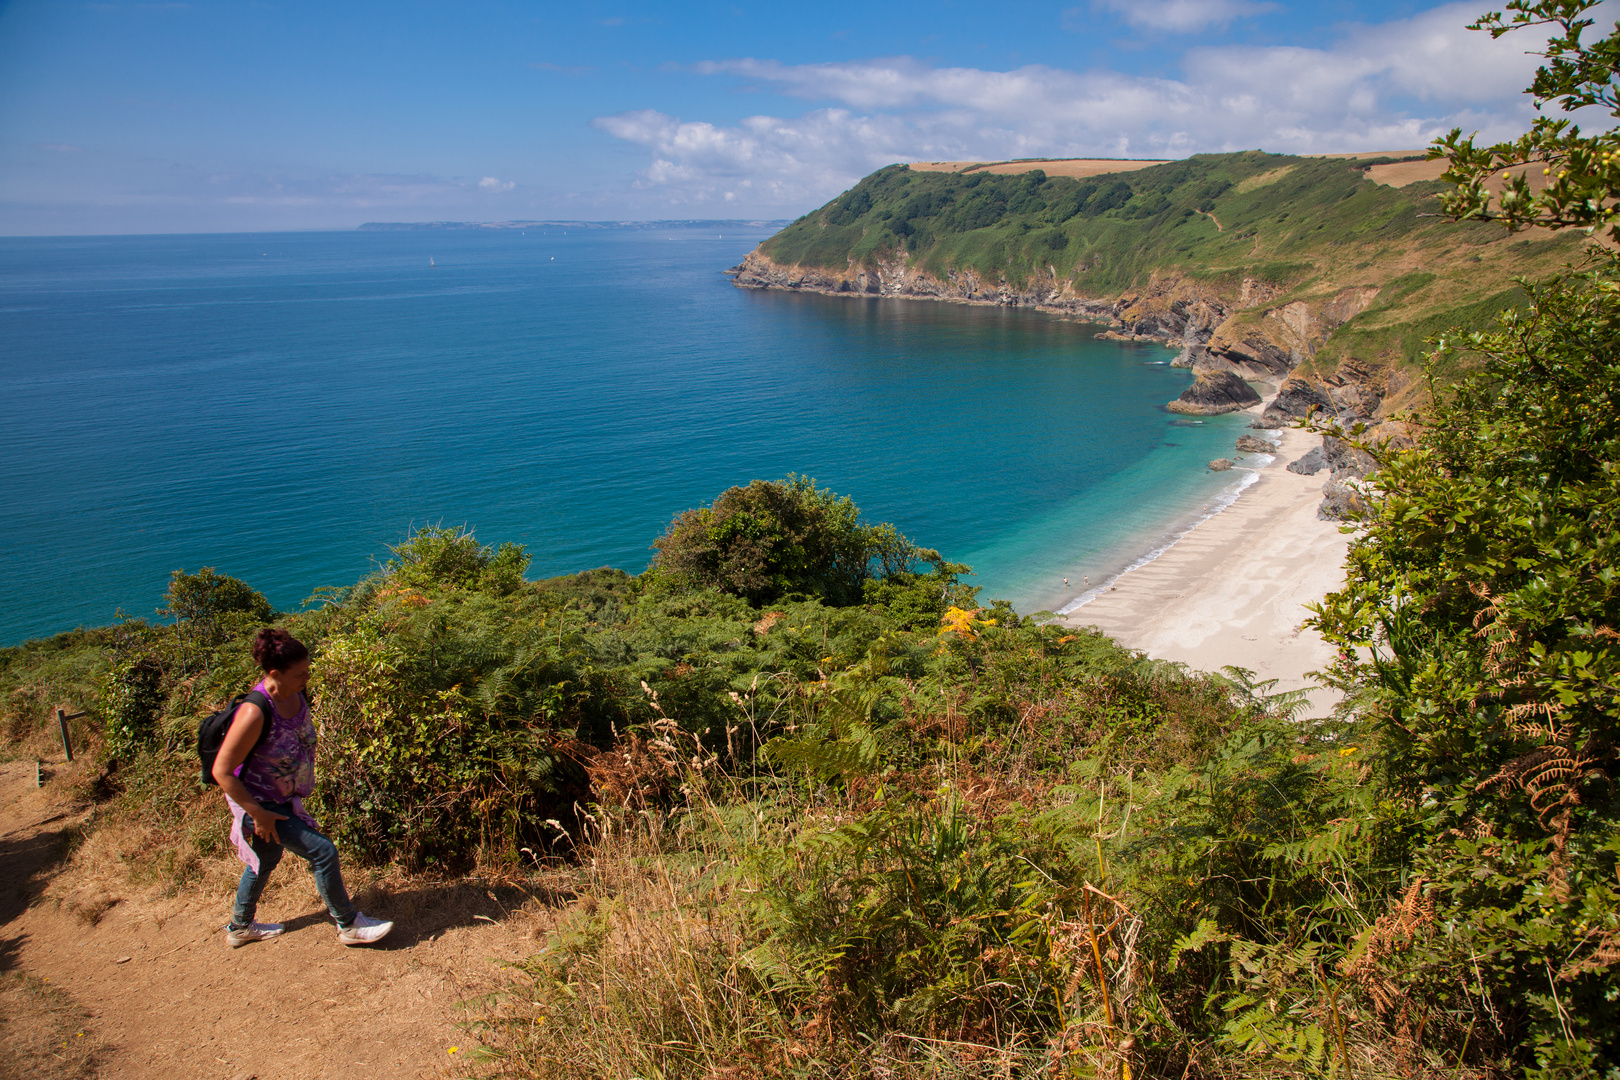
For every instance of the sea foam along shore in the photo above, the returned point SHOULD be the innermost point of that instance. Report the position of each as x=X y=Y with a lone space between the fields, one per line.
x=1233 y=589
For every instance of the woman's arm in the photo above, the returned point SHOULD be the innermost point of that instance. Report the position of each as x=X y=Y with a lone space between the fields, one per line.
x=238 y=744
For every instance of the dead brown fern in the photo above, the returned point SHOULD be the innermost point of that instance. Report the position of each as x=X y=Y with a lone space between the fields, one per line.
x=1605 y=954
x=637 y=774
x=1562 y=757
x=1369 y=968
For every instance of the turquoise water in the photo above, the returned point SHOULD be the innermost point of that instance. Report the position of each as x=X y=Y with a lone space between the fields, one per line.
x=283 y=407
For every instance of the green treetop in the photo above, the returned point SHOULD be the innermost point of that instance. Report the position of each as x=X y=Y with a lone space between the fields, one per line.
x=1582 y=172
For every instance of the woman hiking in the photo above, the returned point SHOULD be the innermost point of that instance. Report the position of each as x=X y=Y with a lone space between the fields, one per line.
x=265 y=788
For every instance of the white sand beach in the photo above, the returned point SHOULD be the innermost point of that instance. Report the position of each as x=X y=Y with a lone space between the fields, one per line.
x=1233 y=590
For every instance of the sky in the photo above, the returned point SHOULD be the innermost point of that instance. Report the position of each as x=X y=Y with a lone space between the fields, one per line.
x=227 y=116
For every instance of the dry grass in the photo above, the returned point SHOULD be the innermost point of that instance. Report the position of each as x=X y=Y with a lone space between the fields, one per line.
x=645 y=972
x=1262 y=179
x=1401 y=173
x=653 y=970
x=44 y=1034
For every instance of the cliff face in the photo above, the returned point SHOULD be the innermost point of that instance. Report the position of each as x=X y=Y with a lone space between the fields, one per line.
x=1234 y=330
x=894 y=277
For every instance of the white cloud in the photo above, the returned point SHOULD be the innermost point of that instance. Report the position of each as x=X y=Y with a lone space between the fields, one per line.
x=1176 y=16
x=1386 y=87
x=776 y=162
x=490 y=183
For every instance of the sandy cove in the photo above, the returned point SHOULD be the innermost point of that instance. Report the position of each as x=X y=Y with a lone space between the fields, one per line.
x=1233 y=590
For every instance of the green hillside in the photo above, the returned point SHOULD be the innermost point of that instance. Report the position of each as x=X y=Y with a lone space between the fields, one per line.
x=1310 y=226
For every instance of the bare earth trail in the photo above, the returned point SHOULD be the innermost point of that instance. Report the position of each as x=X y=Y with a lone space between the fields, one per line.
x=168 y=999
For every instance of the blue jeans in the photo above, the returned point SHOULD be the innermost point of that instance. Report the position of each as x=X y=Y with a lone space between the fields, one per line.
x=303 y=841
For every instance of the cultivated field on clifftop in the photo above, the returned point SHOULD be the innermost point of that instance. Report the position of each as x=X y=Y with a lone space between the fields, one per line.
x=1075 y=167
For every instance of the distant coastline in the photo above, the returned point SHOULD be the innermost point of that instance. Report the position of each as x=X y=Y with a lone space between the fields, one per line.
x=674 y=223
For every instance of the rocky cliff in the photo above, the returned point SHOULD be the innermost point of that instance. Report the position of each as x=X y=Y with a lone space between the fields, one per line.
x=1304 y=274
x=1233 y=329
x=896 y=276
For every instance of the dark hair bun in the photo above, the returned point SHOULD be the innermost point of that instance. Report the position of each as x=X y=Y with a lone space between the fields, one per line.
x=277 y=650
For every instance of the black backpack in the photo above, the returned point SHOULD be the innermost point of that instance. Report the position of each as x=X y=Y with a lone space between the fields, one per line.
x=211 y=732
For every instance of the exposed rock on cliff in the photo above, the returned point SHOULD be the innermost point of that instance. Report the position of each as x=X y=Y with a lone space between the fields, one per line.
x=895 y=276
x=1295 y=399
x=1341 y=501
x=1346 y=460
x=1271 y=342
x=1342 y=496
x=1313 y=462
x=1215 y=392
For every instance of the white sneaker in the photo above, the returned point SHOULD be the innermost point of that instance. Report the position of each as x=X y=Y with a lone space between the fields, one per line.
x=364 y=930
x=258 y=931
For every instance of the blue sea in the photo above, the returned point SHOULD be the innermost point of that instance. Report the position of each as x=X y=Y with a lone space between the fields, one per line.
x=283 y=407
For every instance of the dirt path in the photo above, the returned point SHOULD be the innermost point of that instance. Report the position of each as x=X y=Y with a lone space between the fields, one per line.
x=165 y=997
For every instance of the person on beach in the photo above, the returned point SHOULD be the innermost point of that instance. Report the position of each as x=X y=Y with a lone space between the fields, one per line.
x=265 y=790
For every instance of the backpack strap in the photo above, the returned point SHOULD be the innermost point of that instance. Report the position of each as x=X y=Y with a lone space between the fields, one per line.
x=266 y=710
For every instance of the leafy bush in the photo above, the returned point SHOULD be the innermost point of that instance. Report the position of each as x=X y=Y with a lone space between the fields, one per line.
x=915 y=917
x=210 y=609
x=1479 y=628
x=130 y=700
x=414 y=769
x=207 y=597
x=773 y=539
x=437 y=557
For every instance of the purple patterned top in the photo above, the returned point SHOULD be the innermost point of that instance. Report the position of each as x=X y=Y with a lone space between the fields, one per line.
x=283 y=767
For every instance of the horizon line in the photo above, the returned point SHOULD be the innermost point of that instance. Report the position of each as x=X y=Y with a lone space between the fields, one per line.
x=404 y=226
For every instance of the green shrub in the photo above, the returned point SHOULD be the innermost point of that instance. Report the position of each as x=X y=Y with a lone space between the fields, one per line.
x=439 y=725
x=130 y=702
x=1478 y=624
x=773 y=539
x=207 y=597
x=453 y=558
x=914 y=917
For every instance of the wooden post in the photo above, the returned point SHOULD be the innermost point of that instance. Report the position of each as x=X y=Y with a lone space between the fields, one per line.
x=67 y=743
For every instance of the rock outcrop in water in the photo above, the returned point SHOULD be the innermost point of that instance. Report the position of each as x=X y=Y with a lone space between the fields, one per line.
x=1215 y=392
x=1253 y=444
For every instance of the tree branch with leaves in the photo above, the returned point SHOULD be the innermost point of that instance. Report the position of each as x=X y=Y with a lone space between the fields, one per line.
x=1581 y=171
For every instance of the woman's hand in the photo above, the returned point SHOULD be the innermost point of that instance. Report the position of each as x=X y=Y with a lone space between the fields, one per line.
x=264 y=824
x=238 y=744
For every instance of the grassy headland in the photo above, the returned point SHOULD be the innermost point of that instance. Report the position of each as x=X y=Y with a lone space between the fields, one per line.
x=1305 y=259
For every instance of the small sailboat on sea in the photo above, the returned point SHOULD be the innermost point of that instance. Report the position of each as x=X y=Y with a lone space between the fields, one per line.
x=431 y=263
